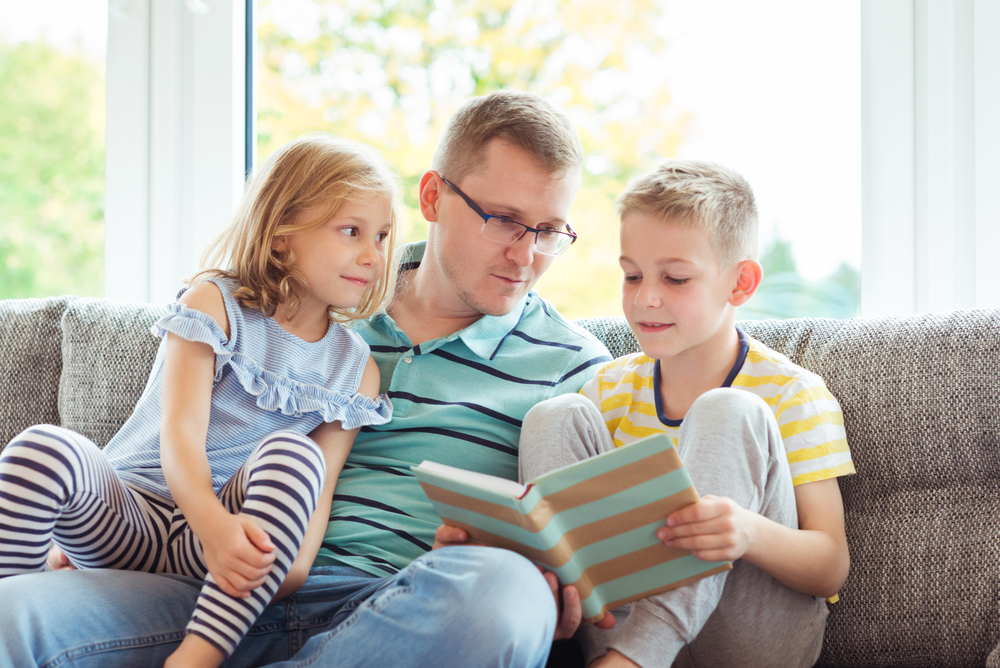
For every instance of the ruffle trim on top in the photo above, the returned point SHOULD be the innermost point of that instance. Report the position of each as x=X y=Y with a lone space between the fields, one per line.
x=283 y=395
x=196 y=326
x=273 y=392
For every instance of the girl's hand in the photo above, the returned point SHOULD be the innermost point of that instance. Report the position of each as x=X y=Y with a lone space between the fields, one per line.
x=714 y=529
x=58 y=561
x=238 y=554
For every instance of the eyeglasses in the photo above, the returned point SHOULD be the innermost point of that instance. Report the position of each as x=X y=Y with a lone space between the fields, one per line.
x=505 y=231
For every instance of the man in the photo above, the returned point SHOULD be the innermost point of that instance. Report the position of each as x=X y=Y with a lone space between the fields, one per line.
x=464 y=351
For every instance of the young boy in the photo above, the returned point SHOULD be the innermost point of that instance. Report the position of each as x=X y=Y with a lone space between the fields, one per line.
x=762 y=438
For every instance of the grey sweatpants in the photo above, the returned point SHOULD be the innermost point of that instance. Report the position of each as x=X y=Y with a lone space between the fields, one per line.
x=731 y=446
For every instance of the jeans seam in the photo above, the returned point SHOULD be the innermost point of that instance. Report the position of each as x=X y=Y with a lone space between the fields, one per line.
x=66 y=656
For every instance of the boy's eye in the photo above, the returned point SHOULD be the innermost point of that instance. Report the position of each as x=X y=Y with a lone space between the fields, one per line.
x=632 y=278
x=675 y=281
x=349 y=231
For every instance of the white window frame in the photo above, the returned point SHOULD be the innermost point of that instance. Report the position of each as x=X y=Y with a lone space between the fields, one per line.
x=930 y=147
x=930 y=155
x=176 y=149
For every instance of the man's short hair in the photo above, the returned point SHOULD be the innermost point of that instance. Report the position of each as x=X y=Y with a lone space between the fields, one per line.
x=523 y=119
x=699 y=194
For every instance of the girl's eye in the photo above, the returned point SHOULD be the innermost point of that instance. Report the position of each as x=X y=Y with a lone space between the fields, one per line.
x=632 y=278
x=349 y=231
x=382 y=236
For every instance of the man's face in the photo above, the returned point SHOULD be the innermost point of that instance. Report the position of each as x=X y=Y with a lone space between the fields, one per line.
x=482 y=276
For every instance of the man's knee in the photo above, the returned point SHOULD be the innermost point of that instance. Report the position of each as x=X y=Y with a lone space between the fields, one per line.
x=502 y=601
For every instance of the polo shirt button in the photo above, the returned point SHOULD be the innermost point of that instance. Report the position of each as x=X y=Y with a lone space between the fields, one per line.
x=407 y=360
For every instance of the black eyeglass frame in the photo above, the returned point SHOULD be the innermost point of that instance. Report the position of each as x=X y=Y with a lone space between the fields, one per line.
x=570 y=234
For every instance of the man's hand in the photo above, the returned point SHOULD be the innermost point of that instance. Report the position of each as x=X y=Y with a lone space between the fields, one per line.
x=570 y=612
x=238 y=554
x=446 y=535
x=58 y=561
x=714 y=529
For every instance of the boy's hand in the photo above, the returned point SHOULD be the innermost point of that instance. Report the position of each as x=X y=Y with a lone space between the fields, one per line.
x=714 y=529
x=238 y=554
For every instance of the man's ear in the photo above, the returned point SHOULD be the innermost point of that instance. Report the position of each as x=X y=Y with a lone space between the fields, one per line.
x=748 y=280
x=430 y=195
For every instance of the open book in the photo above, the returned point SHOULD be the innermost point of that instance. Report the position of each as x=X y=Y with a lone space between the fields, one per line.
x=592 y=523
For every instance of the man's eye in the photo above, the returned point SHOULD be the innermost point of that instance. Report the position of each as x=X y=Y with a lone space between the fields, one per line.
x=349 y=231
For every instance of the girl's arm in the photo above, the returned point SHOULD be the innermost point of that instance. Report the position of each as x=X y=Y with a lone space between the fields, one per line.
x=813 y=559
x=237 y=551
x=336 y=445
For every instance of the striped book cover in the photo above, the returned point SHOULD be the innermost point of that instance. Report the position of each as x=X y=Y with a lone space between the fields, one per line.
x=592 y=523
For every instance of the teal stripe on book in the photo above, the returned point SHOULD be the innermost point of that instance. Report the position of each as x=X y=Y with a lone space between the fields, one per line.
x=643 y=581
x=581 y=471
x=605 y=550
x=633 y=497
x=616 y=504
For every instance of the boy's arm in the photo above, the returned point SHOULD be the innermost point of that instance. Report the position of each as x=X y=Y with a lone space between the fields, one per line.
x=336 y=445
x=813 y=559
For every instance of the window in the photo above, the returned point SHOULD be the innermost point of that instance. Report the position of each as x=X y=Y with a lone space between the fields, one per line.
x=52 y=126
x=751 y=85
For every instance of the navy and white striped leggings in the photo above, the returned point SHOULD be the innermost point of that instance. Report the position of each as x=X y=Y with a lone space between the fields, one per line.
x=57 y=485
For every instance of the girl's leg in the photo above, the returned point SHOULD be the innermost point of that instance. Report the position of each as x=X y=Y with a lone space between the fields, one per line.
x=279 y=487
x=57 y=485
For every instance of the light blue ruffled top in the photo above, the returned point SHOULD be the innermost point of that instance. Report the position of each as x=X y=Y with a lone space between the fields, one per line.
x=266 y=380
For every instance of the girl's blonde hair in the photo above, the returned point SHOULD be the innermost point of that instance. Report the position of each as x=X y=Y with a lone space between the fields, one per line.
x=314 y=169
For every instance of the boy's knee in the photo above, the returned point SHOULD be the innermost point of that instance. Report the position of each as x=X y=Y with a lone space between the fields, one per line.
x=730 y=403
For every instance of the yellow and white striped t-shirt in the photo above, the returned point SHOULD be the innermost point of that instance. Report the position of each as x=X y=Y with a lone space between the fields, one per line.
x=627 y=392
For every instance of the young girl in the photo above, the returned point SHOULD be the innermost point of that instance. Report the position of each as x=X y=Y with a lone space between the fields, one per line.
x=226 y=469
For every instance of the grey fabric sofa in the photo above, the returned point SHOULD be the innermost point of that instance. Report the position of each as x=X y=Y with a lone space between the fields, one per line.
x=921 y=400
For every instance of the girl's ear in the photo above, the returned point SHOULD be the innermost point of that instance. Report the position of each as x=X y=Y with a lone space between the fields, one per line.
x=279 y=244
x=747 y=281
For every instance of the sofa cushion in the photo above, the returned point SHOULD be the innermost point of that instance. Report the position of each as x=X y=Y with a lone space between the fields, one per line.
x=30 y=363
x=107 y=351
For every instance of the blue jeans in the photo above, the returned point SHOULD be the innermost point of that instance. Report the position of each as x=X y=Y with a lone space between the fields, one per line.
x=458 y=606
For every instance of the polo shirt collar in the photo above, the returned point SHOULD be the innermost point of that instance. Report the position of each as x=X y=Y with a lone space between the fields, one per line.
x=484 y=337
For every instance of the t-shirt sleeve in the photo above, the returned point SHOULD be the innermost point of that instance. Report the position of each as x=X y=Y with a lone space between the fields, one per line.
x=812 y=430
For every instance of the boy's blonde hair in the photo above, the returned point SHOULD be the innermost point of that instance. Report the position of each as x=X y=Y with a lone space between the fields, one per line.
x=523 y=119
x=700 y=194
x=314 y=169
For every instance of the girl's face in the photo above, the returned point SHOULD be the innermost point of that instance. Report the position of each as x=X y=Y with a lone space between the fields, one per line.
x=343 y=256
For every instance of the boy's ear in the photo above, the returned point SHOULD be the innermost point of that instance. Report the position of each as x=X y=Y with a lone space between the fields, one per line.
x=747 y=281
x=430 y=195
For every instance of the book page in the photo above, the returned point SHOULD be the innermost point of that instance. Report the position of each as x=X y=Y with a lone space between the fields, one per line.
x=481 y=480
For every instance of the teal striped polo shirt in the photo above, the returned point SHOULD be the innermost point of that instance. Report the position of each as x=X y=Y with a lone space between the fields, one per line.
x=457 y=400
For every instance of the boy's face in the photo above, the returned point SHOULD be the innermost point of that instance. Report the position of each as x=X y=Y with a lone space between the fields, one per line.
x=675 y=296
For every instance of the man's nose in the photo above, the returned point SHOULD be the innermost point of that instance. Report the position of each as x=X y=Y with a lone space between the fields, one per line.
x=522 y=251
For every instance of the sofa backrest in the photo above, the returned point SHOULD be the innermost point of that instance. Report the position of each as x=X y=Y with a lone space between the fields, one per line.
x=920 y=400
x=30 y=363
